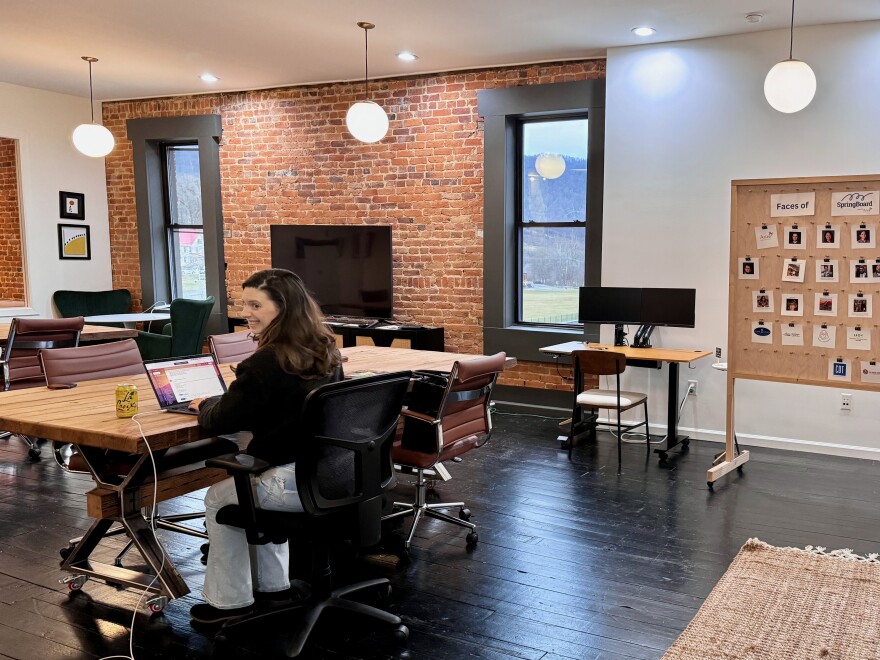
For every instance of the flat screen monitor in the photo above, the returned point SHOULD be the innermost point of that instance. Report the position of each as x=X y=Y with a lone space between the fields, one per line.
x=670 y=307
x=347 y=268
x=643 y=306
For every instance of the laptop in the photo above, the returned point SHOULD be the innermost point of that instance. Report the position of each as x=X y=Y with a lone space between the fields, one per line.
x=177 y=381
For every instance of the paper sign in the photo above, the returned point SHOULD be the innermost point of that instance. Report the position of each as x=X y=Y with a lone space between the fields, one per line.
x=748 y=269
x=840 y=370
x=791 y=204
x=826 y=271
x=864 y=202
x=795 y=238
x=858 y=339
x=870 y=372
x=762 y=301
x=762 y=333
x=792 y=334
x=824 y=337
x=792 y=304
x=825 y=305
x=766 y=237
x=828 y=237
x=793 y=270
x=860 y=306
x=863 y=236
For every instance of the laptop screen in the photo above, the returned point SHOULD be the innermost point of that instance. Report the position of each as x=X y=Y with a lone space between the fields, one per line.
x=180 y=380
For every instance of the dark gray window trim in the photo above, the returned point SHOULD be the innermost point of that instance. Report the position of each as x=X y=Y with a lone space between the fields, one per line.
x=501 y=109
x=147 y=137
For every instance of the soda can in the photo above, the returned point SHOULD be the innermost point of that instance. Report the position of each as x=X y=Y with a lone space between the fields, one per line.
x=126 y=400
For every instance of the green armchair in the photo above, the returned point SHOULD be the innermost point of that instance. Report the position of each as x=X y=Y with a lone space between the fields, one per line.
x=183 y=336
x=71 y=304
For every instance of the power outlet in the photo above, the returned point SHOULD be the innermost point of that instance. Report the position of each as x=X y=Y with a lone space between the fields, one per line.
x=846 y=401
x=718 y=352
x=692 y=387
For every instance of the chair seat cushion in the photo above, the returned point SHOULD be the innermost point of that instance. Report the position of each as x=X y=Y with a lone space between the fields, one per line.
x=608 y=399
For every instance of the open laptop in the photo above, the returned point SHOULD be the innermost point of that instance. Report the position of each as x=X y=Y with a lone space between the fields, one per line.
x=177 y=381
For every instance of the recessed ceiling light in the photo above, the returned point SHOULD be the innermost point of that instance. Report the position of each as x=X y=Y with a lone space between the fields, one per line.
x=209 y=77
x=643 y=31
x=407 y=56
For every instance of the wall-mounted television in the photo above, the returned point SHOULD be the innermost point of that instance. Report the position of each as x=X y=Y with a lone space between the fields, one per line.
x=347 y=268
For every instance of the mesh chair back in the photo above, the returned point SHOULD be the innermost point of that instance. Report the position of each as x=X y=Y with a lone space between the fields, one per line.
x=600 y=363
x=345 y=461
x=232 y=347
x=189 y=320
x=76 y=365
x=27 y=337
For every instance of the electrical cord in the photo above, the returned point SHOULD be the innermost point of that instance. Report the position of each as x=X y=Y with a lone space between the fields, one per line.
x=154 y=305
x=635 y=434
x=153 y=507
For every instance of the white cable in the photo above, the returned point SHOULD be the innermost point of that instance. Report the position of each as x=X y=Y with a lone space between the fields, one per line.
x=153 y=507
x=154 y=305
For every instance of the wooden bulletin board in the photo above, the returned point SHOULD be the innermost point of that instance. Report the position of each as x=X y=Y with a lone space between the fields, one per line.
x=842 y=210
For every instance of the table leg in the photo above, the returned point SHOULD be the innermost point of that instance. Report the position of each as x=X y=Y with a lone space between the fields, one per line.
x=672 y=438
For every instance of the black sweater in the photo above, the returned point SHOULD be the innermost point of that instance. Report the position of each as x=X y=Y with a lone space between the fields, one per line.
x=266 y=400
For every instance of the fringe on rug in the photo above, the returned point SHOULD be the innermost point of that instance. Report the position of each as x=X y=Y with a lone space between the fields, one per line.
x=844 y=553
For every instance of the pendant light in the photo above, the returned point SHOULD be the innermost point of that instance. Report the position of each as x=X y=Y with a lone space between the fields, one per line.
x=92 y=139
x=791 y=84
x=366 y=120
x=550 y=166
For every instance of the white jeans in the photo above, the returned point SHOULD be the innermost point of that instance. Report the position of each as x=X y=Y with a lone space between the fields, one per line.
x=234 y=567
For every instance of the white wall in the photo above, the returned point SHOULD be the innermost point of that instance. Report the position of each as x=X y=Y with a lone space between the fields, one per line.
x=42 y=123
x=683 y=120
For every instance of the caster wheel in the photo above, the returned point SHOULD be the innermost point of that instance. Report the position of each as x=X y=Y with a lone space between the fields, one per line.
x=663 y=456
x=65 y=552
x=157 y=604
x=34 y=454
x=711 y=486
x=685 y=442
x=739 y=469
x=472 y=539
x=464 y=513
x=74 y=582
x=401 y=633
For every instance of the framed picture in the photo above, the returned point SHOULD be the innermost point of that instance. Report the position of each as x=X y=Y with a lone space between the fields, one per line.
x=72 y=205
x=74 y=242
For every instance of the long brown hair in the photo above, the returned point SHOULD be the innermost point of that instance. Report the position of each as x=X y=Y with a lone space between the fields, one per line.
x=301 y=342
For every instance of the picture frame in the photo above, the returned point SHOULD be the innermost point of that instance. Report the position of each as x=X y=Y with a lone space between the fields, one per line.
x=74 y=242
x=71 y=205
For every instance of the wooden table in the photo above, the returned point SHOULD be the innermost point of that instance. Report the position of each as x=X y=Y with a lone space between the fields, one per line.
x=129 y=320
x=89 y=333
x=86 y=417
x=650 y=358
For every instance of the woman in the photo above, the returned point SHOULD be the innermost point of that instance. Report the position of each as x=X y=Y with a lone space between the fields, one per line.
x=295 y=354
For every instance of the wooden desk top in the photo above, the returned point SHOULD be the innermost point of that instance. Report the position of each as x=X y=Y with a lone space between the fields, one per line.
x=89 y=333
x=657 y=354
x=86 y=414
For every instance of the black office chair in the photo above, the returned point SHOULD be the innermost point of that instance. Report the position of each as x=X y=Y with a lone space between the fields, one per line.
x=344 y=467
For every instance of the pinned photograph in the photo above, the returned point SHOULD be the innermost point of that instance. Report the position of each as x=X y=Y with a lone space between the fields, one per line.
x=762 y=333
x=863 y=236
x=828 y=237
x=762 y=301
x=826 y=271
x=826 y=304
x=858 y=271
x=875 y=272
x=860 y=305
x=858 y=338
x=748 y=269
x=840 y=369
x=824 y=336
x=869 y=371
x=766 y=236
x=793 y=270
x=795 y=239
x=792 y=334
x=792 y=304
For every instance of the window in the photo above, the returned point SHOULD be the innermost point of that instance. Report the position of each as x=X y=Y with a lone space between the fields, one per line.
x=183 y=221
x=551 y=219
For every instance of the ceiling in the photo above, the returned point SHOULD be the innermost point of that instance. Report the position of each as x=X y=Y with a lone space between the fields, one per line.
x=153 y=48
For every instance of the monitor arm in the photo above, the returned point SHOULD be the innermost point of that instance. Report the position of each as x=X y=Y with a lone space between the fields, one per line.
x=643 y=336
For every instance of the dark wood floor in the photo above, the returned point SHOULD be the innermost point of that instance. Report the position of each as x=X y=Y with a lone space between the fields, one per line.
x=574 y=561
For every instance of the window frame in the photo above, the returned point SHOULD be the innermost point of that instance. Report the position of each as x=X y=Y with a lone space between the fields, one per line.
x=520 y=224
x=169 y=193
x=501 y=109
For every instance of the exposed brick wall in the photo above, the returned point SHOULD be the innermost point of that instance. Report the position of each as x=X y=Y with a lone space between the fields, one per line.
x=286 y=158
x=11 y=274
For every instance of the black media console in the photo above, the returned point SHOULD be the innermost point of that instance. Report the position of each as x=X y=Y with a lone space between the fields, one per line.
x=420 y=337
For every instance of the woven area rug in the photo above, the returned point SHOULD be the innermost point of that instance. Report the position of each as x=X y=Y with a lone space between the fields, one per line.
x=788 y=604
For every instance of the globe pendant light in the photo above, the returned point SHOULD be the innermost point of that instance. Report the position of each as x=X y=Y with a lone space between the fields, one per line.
x=366 y=120
x=550 y=166
x=92 y=139
x=791 y=84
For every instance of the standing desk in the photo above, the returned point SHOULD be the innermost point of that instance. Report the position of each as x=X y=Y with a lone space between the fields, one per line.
x=651 y=358
x=86 y=417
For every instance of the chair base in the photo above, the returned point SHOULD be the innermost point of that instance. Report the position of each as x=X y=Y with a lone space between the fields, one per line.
x=421 y=509
x=312 y=613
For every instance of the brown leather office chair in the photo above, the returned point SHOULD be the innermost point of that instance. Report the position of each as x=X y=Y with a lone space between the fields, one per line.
x=232 y=347
x=118 y=360
x=20 y=362
x=607 y=363
x=447 y=416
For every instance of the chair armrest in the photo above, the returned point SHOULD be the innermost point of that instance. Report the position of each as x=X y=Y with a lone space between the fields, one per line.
x=166 y=329
x=238 y=464
x=419 y=416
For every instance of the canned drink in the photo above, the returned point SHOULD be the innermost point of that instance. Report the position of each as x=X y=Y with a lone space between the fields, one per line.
x=126 y=400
